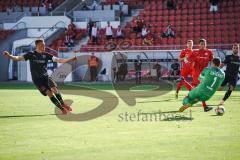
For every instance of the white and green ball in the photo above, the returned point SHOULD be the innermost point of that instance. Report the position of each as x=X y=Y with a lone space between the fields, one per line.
x=220 y=110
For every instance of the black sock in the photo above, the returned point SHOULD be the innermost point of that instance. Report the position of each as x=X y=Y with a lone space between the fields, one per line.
x=56 y=102
x=227 y=95
x=59 y=97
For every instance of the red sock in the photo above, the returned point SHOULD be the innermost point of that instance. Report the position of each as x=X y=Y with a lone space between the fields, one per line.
x=204 y=104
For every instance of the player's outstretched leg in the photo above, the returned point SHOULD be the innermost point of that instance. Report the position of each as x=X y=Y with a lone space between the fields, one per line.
x=193 y=97
x=59 y=97
x=186 y=104
x=180 y=84
x=55 y=101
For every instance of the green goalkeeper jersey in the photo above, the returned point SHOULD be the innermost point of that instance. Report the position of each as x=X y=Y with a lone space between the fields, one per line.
x=211 y=79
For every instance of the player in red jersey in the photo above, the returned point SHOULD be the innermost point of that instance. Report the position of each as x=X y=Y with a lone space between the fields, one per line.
x=200 y=59
x=186 y=69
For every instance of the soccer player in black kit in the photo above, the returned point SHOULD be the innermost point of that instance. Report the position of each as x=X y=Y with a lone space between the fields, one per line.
x=232 y=63
x=38 y=66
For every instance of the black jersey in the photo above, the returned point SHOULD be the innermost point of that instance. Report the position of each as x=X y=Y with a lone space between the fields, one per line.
x=232 y=63
x=38 y=64
x=138 y=65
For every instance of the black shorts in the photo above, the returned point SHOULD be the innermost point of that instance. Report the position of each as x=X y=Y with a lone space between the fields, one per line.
x=44 y=84
x=230 y=81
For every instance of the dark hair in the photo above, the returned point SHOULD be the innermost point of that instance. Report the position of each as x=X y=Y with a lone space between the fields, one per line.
x=216 y=61
x=38 y=41
x=202 y=40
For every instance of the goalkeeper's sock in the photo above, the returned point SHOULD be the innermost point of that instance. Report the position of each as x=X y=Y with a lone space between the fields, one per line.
x=56 y=102
x=59 y=97
x=204 y=104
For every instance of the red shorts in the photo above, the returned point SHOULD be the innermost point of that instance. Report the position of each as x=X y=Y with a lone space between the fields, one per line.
x=185 y=72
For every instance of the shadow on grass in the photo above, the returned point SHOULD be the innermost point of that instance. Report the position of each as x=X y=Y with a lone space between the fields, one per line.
x=171 y=115
x=170 y=112
x=23 y=116
x=179 y=119
x=214 y=115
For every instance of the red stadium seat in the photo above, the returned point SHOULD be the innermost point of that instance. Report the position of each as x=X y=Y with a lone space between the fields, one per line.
x=191 y=20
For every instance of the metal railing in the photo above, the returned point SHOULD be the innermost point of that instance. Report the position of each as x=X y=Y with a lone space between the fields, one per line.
x=159 y=47
x=55 y=26
x=16 y=27
x=14 y=19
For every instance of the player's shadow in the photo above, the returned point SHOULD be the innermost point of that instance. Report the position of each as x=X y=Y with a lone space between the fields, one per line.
x=178 y=116
x=23 y=116
x=179 y=119
x=173 y=116
x=167 y=112
x=214 y=115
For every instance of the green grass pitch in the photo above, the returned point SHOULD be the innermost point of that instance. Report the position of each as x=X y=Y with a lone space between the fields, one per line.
x=29 y=130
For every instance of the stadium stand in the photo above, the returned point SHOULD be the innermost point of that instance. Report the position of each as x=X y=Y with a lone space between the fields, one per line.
x=131 y=3
x=60 y=43
x=12 y=4
x=5 y=33
x=191 y=20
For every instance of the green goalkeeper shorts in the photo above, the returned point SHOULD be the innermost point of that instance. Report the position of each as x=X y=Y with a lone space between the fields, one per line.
x=195 y=96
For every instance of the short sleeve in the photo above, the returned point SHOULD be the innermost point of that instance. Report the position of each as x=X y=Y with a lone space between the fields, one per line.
x=182 y=54
x=49 y=57
x=27 y=56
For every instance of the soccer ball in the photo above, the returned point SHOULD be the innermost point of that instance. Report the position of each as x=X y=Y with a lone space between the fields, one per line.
x=220 y=110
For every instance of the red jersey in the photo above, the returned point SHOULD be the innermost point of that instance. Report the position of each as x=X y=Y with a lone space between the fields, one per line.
x=186 y=63
x=201 y=58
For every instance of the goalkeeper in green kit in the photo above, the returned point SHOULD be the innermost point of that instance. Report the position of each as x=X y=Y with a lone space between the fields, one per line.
x=211 y=79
